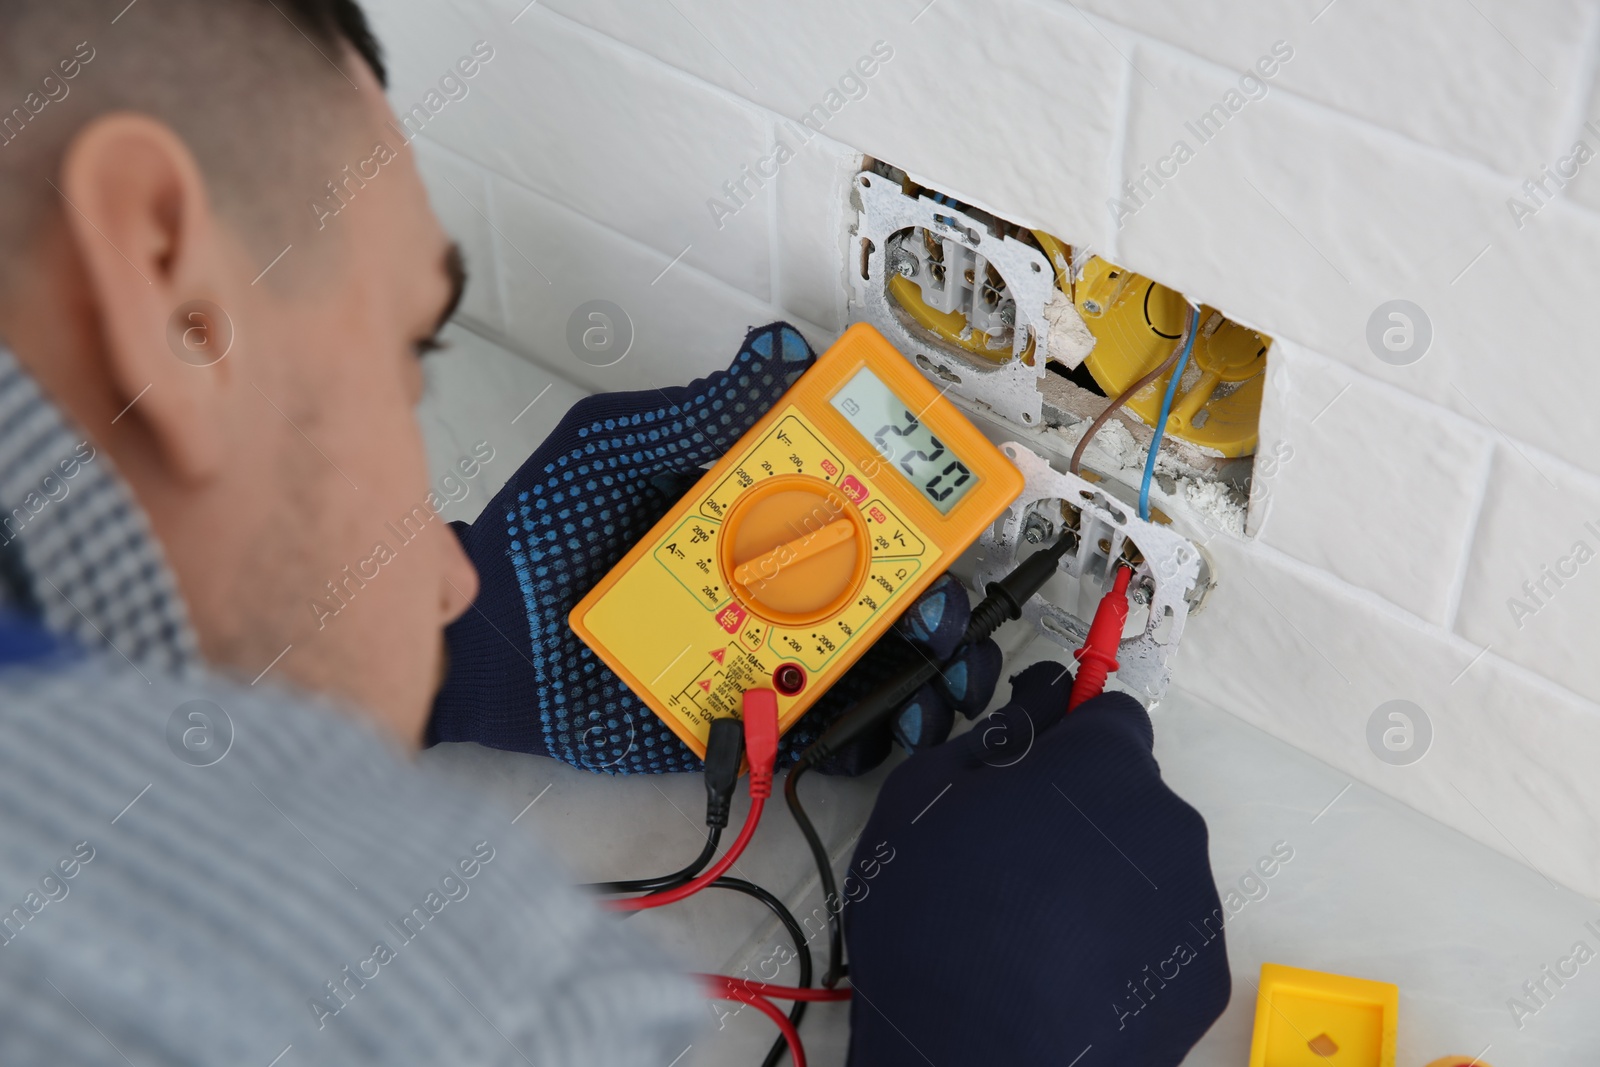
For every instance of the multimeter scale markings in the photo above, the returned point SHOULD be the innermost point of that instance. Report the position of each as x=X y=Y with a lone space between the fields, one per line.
x=788 y=448
x=689 y=554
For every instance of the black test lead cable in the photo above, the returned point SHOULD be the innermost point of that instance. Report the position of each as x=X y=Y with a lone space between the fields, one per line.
x=724 y=753
x=1003 y=601
x=802 y=951
x=796 y=933
x=666 y=881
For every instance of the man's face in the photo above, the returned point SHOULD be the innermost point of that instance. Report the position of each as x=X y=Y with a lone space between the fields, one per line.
x=343 y=566
x=270 y=436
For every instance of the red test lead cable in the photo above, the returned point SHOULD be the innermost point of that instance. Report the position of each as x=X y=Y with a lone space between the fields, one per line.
x=791 y=1035
x=761 y=748
x=755 y=994
x=718 y=984
x=1098 y=656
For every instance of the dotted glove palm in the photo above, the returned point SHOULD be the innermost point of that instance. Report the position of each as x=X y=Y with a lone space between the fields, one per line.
x=520 y=679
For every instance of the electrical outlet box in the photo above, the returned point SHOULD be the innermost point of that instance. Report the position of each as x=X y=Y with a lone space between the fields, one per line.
x=1042 y=334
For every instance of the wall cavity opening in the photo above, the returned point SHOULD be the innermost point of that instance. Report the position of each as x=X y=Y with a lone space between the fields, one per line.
x=1033 y=330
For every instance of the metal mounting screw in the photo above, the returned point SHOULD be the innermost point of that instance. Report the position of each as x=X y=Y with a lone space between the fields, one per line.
x=1036 y=530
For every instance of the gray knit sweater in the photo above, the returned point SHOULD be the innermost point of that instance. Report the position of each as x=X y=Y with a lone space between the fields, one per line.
x=198 y=871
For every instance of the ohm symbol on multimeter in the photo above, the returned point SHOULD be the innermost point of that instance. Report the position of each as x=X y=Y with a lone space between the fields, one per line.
x=807 y=556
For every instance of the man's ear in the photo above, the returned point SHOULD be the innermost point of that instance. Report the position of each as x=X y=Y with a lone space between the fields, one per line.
x=152 y=249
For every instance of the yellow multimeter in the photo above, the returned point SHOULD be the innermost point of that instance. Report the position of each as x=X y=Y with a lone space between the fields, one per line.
x=806 y=541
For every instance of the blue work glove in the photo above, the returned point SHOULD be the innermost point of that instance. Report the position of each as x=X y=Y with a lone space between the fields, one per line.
x=519 y=678
x=1033 y=890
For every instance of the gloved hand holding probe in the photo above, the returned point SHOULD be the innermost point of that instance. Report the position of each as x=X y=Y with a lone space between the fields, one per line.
x=1047 y=896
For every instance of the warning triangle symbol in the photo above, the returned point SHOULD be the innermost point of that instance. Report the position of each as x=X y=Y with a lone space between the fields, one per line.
x=719 y=654
x=706 y=685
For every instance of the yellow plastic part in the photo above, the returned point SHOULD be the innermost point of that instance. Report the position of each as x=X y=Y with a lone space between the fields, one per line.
x=800 y=546
x=1060 y=256
x=950 y=326
x=1137 y=323
x=1314 y=1019
x=794 y=550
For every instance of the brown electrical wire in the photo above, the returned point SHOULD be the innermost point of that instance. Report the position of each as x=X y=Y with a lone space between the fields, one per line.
x=1123 y=398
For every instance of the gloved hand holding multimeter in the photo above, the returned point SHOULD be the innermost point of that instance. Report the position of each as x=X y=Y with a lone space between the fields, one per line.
x=783 y=573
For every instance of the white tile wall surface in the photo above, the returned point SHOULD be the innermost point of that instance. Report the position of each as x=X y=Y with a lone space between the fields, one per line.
x=1384 y=159
x=1532 y=593
x=1341 y=503
x=811 y=258
x=951 y=102
x=1408 y=67
x=556 y=260
x=459 y=193
x=1309 y=659
x=479 y=394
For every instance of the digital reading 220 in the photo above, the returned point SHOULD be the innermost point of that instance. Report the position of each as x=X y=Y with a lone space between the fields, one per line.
x=867 y=403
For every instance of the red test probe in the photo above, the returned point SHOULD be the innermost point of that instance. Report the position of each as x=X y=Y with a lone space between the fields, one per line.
x=1098 y=656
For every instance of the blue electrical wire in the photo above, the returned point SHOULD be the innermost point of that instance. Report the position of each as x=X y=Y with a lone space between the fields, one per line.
x=1166 y=410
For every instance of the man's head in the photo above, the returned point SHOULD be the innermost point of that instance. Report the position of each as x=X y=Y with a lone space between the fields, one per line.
x=247 y=358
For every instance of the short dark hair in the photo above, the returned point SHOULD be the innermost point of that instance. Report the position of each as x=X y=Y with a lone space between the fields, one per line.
x=340 y=20
x=254 y=87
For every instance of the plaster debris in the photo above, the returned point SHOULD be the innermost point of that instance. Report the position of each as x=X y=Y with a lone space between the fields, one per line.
x=1117 y=441
x=1113 y=448
x=1070 y=339
x=1215 y=505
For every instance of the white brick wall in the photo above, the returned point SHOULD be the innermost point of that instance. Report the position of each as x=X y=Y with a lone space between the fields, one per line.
x=1342 y=504
x=1377 y=165
x=1482 y=81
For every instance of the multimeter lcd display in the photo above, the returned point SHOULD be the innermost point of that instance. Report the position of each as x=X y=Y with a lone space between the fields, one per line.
x=903 y=440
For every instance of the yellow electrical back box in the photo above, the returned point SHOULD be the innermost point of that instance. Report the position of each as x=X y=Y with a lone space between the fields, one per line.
x=800 y=546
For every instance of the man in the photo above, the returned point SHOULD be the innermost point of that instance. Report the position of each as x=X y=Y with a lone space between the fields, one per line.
x=211 y=847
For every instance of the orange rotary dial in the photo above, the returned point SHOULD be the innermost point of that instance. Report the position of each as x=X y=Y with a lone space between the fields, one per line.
x=794 y=550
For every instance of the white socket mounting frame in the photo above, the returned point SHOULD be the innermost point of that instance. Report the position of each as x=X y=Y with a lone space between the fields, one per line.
x=1010 y=389
x=1167 y=574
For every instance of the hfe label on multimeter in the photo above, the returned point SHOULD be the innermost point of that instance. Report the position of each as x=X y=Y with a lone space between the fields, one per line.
x=794 y=553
